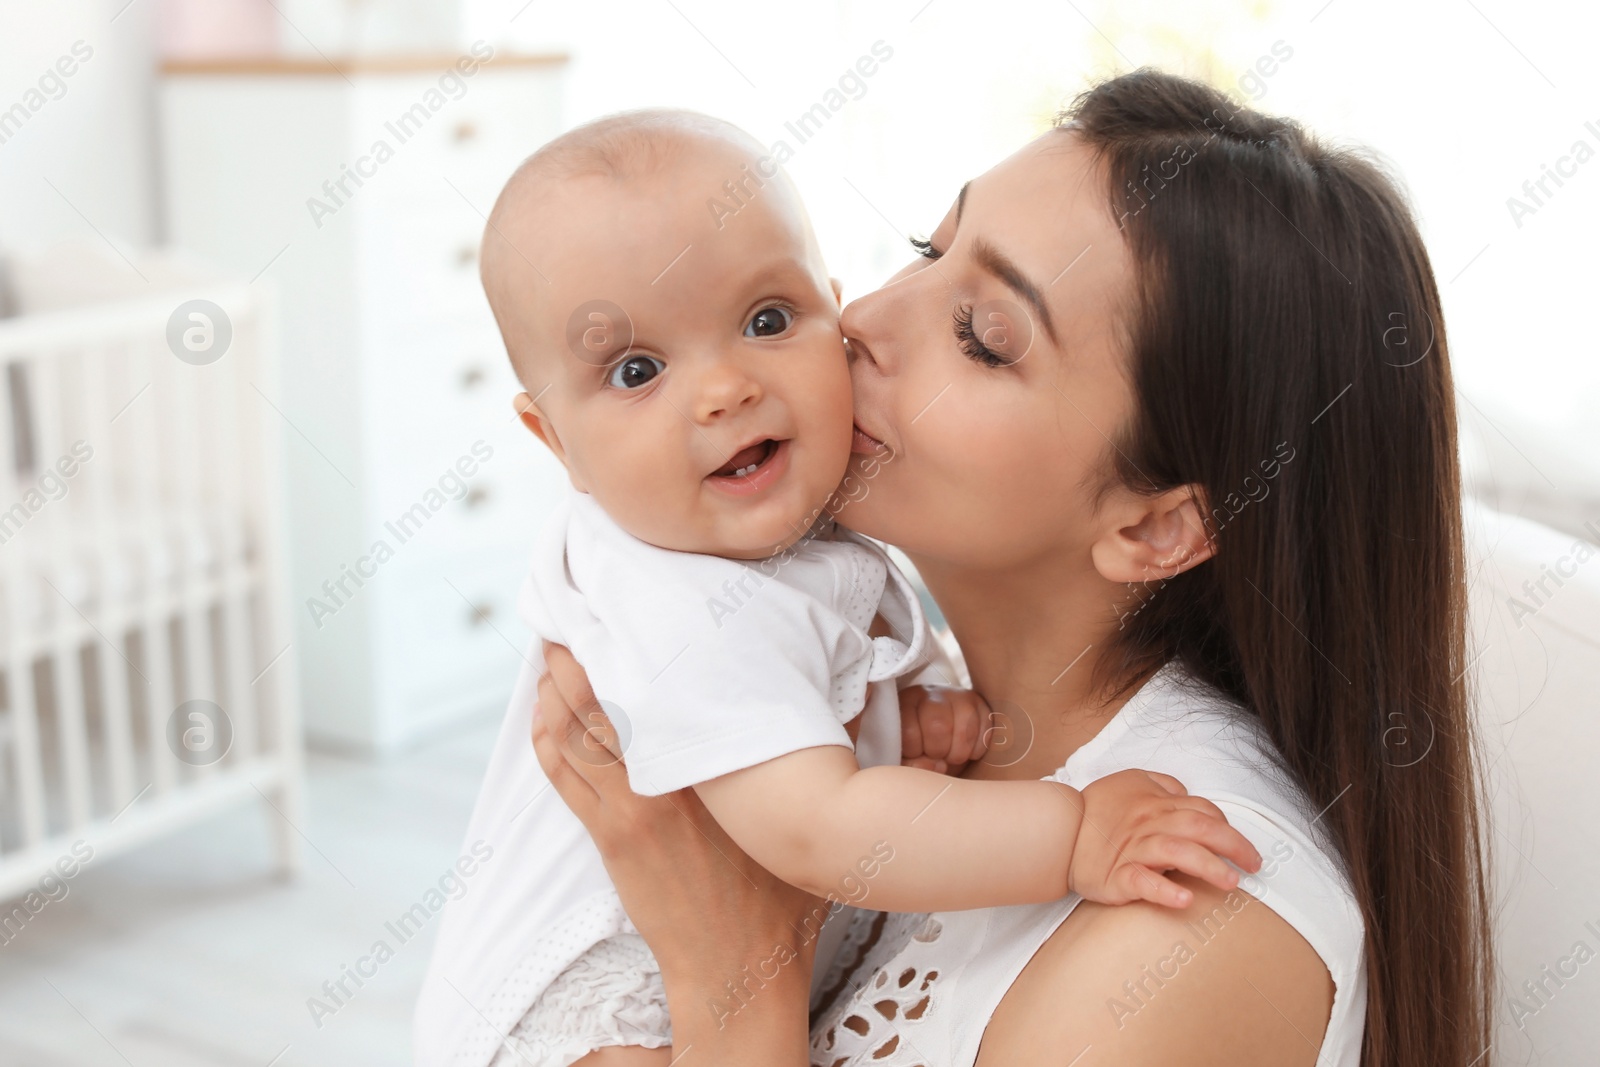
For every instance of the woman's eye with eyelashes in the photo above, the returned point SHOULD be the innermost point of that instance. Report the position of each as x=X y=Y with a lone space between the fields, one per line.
x=970 y=343
x=633 y=371
x=769 y=322
x=924 y=248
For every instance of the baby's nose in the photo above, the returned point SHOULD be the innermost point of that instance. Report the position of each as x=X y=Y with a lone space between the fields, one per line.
x=723 y=390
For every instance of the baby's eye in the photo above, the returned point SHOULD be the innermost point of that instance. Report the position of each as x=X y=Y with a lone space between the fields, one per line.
x=769 y=322
x=635 y=371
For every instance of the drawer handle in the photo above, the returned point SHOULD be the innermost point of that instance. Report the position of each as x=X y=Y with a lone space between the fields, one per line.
x=466 y=255
x=481 y=614
x=476 y=497
x=465 y=131
x=472 y=377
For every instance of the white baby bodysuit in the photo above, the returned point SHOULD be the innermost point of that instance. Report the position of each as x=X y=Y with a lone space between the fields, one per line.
x=706 y=666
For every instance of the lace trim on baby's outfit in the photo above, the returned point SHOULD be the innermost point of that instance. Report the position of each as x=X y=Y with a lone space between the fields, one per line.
x=882 y=985
x=611 y=995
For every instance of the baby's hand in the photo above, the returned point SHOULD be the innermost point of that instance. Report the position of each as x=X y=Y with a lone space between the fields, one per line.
x=942 y=729
x=1136 y=825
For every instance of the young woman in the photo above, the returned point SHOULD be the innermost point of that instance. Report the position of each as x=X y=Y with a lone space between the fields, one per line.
x=1164 y=417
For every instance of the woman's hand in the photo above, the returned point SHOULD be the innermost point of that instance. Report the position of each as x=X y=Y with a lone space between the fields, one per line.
x=710 y=914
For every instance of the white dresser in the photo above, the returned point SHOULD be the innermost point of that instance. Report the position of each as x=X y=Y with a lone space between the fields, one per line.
x=359 y=191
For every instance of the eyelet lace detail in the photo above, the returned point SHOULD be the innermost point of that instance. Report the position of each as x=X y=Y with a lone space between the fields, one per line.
x=611 y=995
x=883 y=985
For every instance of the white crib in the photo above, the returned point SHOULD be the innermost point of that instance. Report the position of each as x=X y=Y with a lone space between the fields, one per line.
x=140 y=568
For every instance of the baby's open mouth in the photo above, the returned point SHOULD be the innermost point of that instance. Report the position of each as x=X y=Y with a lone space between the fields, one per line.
x=747 y=461
x=752 y=470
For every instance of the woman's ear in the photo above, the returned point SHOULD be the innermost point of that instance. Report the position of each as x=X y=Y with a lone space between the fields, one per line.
x=1154 y=538
x=538 y=423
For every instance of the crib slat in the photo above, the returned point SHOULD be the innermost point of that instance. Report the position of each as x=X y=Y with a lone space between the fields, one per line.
x=158 y=676
x=26 y=758
x=196 y=544
x=114 y=677
x=65 y=575
x=149 y=504
x=236 y=570
x=240 y=693
x=114 y=680
x=27 y=762
x=71 y=719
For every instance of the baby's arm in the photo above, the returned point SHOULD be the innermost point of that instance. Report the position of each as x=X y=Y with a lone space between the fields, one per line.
x=813 y=816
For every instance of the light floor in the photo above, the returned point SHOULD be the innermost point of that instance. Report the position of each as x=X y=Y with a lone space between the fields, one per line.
x=193 y=951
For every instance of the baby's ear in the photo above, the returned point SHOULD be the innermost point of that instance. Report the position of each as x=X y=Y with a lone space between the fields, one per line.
x=838 y=290
x=538 y=424
x=530 y=416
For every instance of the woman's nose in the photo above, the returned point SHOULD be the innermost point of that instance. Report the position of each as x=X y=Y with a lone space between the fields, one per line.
x=867 y=341
x=722 y=390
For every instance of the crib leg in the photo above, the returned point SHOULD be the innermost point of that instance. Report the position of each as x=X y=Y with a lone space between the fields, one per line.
x=288 y=848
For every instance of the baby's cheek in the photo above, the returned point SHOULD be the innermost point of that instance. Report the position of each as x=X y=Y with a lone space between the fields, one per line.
x=641 y=487
x=835 y=401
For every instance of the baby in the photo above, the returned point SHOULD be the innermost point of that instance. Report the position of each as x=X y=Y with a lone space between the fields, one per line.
x=685 y=365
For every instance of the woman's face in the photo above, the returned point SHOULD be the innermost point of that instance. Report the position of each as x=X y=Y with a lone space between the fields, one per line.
x=995 y=373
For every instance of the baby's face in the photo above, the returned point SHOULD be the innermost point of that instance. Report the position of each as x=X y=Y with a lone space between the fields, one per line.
x=691 y=378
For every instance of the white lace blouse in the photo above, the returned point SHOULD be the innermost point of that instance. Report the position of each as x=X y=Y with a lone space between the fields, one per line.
x=919 y=990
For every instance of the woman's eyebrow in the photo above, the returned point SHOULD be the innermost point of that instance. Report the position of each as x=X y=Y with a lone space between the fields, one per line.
x=961 y=200
x=997 y=263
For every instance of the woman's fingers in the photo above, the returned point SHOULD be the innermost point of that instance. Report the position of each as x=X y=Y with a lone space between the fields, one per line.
x=569 y=677
x=573 y=683
x=570 y=755
x=578 y=794
x=601 y=743
x=553 y=714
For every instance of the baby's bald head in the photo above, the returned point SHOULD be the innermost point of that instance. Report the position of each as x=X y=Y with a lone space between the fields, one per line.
x=658 y=171
x=627 y=146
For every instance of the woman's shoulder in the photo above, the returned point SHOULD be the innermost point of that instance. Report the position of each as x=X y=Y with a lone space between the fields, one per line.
x=1177 y=725
x=1224 y=981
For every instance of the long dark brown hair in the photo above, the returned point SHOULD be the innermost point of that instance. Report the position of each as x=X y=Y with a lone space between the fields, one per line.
x=1289 y=358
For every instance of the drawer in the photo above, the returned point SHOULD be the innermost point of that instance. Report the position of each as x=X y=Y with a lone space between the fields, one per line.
x=475 y=139
x=422 y=270
x=448 y=641
x=506 y=505
x=426 y=509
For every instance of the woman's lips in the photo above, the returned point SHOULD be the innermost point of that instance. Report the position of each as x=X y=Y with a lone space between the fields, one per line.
x=863 y=442
x=771 y=459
